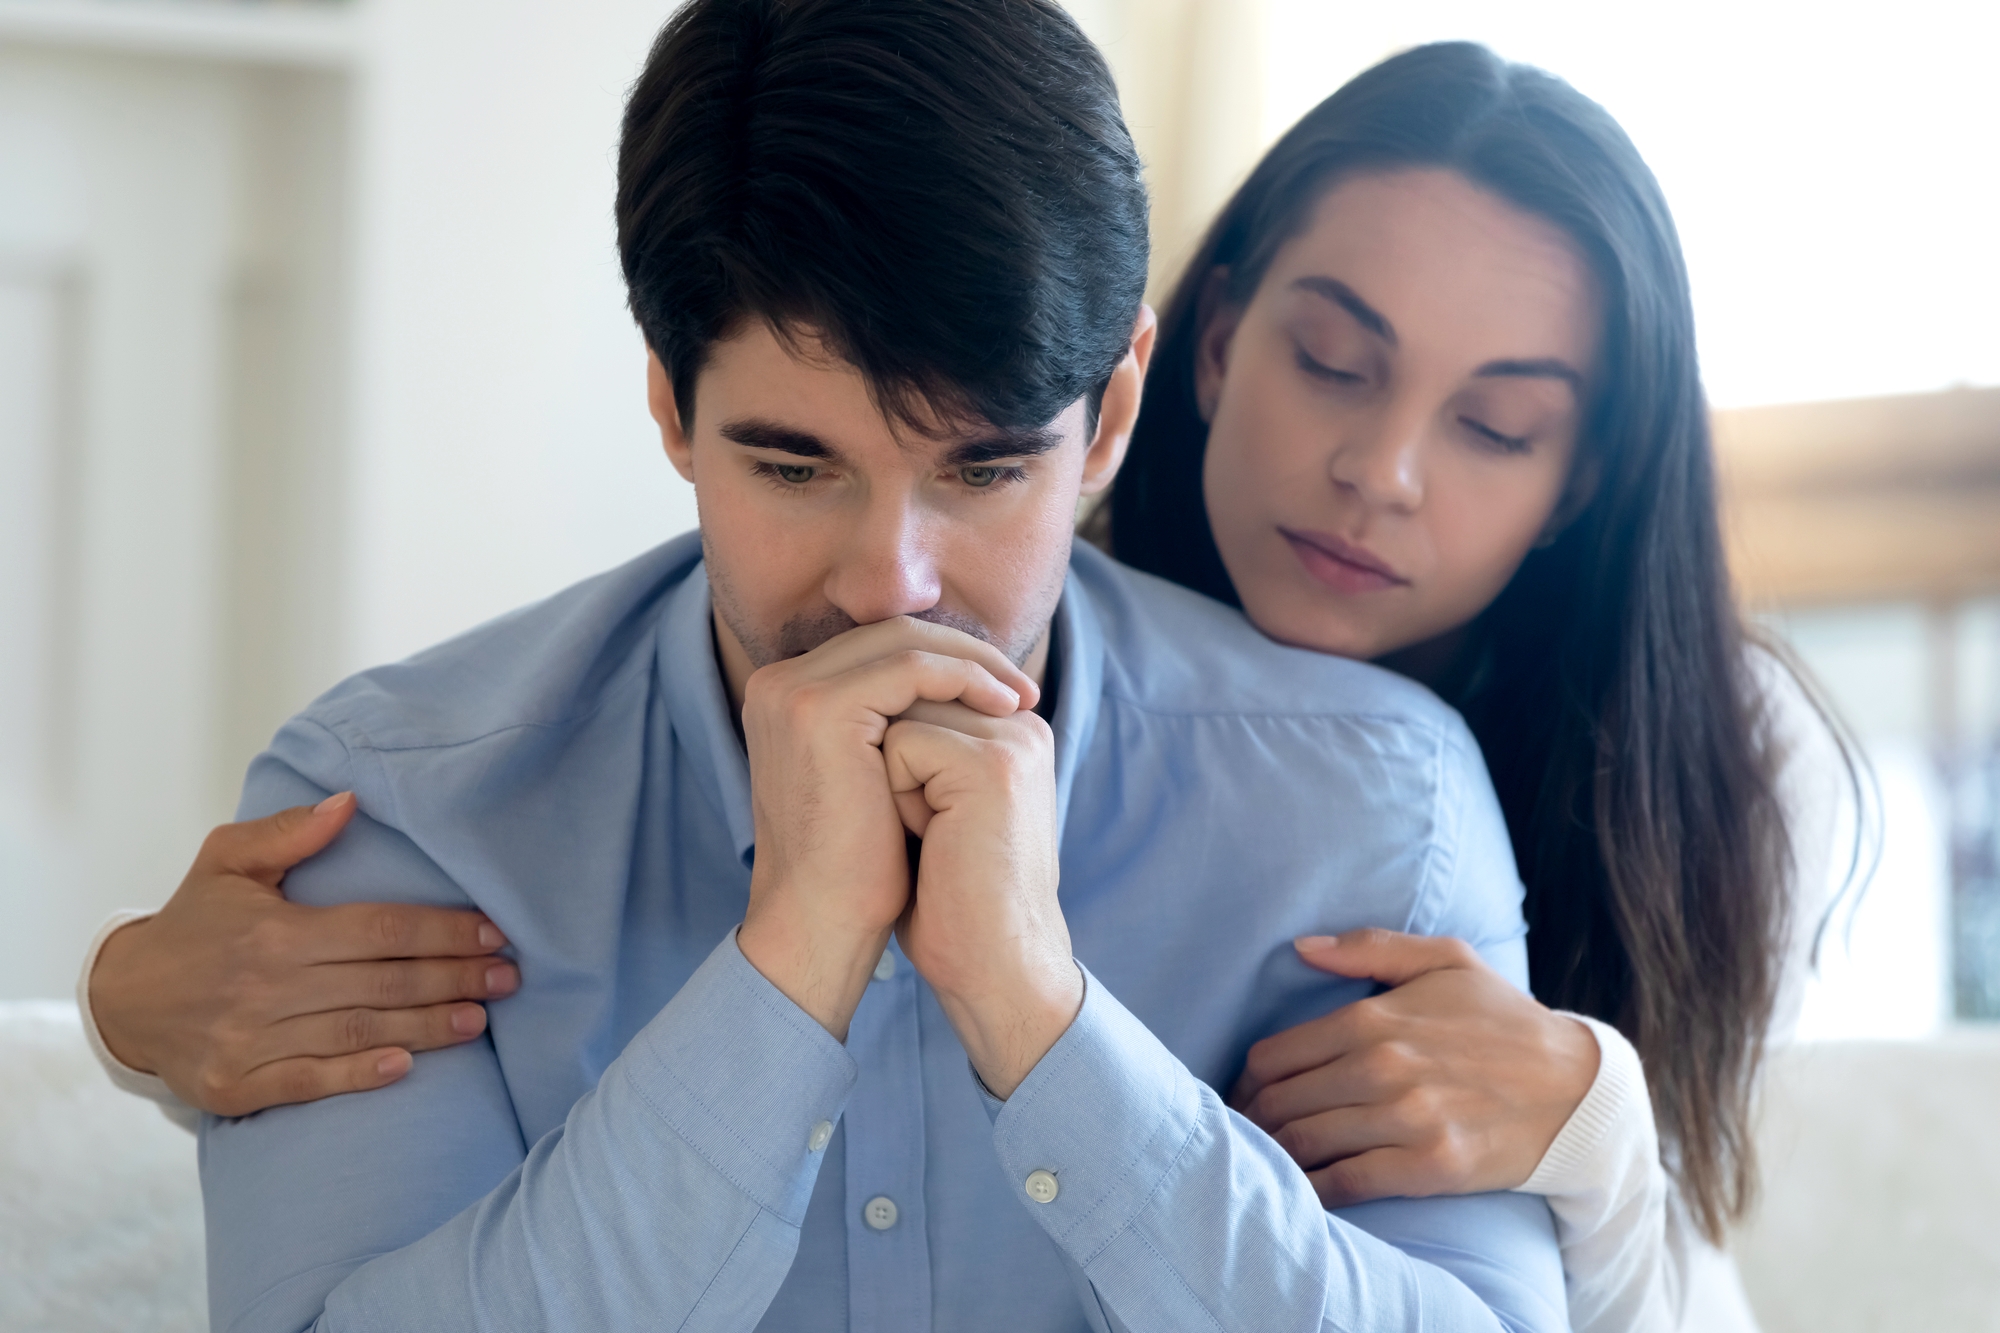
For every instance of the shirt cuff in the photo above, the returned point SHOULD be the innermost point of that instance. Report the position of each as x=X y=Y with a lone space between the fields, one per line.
x=127 y=1079
x=1618 y=1089
x=747 y=1078
x=1096 y=1126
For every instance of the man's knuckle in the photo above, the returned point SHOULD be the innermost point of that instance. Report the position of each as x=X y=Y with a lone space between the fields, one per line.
x=1294 y=1138
x=1383 y=1064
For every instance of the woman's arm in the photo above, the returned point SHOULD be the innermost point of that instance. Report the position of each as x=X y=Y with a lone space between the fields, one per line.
x=1454 y=1081
x=231 y=999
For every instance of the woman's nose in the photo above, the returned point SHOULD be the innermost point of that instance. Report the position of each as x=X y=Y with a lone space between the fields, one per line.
x=1381 y=461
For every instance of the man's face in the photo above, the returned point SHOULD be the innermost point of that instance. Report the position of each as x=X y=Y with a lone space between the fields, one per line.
x=819 y=513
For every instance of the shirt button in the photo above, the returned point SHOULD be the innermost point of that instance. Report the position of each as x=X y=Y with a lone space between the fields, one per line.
x=880 y=1212
x=886 y=967
x=821 y=1134
x=1042 y=1187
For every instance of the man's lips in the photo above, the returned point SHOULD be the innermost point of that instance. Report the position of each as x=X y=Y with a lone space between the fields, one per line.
x=1341 y=565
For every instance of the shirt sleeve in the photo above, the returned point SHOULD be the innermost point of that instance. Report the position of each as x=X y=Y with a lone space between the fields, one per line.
x=672 y=1195
x=1181 y=1214
x=127 y=1079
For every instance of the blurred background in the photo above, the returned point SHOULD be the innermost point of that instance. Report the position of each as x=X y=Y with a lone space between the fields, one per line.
x=313 y=352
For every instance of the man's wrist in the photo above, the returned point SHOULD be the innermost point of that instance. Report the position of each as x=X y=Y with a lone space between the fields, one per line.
x=825 y=972
x=1006 y=1032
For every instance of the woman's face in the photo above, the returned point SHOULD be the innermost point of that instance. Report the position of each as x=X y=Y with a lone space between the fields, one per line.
x=1394 y=415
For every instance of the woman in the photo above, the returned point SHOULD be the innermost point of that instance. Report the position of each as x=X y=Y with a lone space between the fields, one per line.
x=1426 y=396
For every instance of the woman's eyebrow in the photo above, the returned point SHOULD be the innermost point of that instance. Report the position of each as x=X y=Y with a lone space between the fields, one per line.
x=1535 y=368
x=1344 y=296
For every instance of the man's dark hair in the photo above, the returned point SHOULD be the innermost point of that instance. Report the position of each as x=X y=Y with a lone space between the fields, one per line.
x=944 y=191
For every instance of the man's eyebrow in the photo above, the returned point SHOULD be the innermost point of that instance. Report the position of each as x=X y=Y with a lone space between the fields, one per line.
x=755 y=434
x=1344 y=296
x=1537 y=368
x=991 y=448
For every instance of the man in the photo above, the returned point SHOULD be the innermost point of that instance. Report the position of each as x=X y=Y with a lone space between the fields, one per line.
x=775 y=821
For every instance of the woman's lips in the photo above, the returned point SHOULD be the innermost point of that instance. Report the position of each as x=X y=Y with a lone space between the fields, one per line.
x=1341 y=565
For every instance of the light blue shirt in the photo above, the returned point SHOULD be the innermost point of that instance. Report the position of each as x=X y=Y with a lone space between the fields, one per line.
x=641 y=1140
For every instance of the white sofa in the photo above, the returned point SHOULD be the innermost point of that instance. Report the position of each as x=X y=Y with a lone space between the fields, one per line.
x=100 y=1212
x=1881 y=1212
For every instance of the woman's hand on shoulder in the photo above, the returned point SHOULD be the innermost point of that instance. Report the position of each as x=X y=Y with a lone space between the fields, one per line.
x=240 y=1000
x=1450 y=1082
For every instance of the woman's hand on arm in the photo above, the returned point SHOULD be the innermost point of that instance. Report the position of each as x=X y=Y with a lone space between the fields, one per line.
x=1451 y=1082
x=240 y=1000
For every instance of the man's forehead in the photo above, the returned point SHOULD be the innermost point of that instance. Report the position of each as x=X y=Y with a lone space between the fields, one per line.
x=790 y=393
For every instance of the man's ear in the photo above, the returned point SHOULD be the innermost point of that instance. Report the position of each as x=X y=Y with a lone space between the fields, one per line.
x=1217 y=319
x=666 y=415
x=1120 y=410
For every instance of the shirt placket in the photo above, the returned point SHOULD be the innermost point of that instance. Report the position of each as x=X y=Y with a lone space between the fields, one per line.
x=888 y=1248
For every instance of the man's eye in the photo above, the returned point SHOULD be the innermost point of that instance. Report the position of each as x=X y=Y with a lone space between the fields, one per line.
x=980 y=477
x=798 y=474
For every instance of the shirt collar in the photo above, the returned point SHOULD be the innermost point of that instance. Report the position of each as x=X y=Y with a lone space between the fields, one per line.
x=698 y=705
x=698 y=701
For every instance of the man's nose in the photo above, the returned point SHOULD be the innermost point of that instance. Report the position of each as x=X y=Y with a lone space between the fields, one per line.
x=1381 y=459
x=889 y=566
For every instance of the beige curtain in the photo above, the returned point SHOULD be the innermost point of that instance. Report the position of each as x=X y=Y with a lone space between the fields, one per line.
x=1191 y=74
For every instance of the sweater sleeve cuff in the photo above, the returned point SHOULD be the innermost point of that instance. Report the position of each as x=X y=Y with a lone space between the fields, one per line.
x=746 y=1077
x=127 y=1079
x=1618 y=1091
x=1096 y=1126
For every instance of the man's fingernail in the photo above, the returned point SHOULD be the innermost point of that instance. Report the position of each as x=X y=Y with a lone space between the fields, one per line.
x=330 y=802
x=392 y=1063
x=500 y=980
x=1316 y=941
x=466 y=1022
x=490 y=936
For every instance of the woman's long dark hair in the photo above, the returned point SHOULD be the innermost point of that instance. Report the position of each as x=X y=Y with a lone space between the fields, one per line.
x=1617 y=710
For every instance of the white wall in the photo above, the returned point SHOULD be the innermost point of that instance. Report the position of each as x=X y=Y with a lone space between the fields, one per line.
x=118 y=249
x=313 y=352
x=502 y=448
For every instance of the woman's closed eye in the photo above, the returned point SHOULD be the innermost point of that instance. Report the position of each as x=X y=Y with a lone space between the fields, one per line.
x=1319 y=370
x=1510 y=444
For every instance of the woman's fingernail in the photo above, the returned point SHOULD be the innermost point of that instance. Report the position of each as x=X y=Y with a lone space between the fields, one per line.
x=467 y=1021
x=490 y=936
x=1316 y=942
x=500 y=979
x=330 y=802
x=391 y=1064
